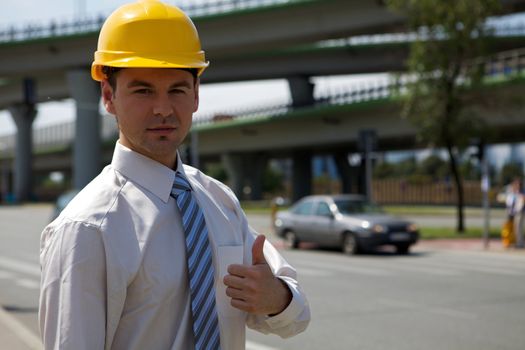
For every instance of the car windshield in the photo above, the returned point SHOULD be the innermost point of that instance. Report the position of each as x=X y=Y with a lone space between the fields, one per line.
x=347 y=206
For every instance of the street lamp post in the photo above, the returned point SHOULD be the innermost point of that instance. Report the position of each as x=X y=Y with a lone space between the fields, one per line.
x=4 y=189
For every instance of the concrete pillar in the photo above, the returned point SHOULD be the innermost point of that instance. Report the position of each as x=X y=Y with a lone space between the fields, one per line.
x=255 y=165
x=23 y=115
x=87 y=143
x=347 y=176
x=245 y=171
x=235 y=170
x=301 y=174
x=302 y=91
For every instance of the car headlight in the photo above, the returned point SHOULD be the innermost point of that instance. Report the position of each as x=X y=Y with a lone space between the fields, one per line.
x=412 y=228
x=278 y=223
x=365 y=224
x=379 y=228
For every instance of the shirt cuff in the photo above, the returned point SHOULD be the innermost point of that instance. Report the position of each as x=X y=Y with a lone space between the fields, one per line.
x=293 y=309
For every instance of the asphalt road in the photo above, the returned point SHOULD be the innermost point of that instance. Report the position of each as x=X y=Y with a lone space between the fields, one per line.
x=428 y=300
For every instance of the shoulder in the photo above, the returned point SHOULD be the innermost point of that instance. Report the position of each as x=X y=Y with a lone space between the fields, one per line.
x=213 y=187
x=91 y=205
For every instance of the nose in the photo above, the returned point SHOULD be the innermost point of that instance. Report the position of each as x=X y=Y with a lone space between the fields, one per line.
x=162 y=106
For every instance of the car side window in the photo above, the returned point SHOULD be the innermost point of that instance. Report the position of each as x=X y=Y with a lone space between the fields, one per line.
x=323 y=209
x=304 y=208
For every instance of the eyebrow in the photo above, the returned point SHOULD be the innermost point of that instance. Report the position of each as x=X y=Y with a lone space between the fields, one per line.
x=141 y=83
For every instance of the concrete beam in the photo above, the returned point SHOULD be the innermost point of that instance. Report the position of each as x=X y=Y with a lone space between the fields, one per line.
x=264 y=65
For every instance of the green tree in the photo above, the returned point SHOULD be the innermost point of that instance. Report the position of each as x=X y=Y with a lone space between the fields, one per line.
x=509 y=172
x=272 y=180
x=434 y=166
x=217 y=171
x=384 y=170
x=452 y=34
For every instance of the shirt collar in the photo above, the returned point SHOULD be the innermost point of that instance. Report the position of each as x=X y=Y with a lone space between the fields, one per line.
x=146 y=172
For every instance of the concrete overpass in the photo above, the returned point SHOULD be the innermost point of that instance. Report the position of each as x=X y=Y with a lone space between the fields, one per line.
x=55 y=65
x=268 y=33
x=245 y=143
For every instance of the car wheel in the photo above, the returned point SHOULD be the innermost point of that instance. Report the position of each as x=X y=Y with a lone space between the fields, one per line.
x=350 y=244
x=403 y=248
x=290 y=240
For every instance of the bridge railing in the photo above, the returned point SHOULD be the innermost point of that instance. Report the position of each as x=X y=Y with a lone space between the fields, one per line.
x=87 y=24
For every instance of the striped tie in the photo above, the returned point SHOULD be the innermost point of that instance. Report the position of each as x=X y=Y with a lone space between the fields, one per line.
x=200 y=267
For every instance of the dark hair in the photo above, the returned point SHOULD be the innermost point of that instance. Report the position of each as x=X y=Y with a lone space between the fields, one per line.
x=111 y=74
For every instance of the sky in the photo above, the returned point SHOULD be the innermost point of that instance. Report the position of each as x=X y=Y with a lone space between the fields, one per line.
x=214 y=97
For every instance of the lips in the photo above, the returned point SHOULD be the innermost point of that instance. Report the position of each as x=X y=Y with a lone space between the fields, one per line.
x=162 y=130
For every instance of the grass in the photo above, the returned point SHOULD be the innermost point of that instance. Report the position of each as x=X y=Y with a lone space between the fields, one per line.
x=435 y=210
x=450 y=233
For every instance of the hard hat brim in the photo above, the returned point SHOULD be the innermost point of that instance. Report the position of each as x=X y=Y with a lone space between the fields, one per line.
x=112 y=60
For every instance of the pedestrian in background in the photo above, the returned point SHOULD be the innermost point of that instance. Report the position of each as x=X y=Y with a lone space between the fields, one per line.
x=153 y=254
x=514 y=201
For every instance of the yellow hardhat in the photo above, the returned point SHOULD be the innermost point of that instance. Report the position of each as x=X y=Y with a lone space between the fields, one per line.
x=148 y=34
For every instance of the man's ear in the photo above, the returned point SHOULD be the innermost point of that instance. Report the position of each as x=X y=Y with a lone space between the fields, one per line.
x=107 y=97
x=196 y=102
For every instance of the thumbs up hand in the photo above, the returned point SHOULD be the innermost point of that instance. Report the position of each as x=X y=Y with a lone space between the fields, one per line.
x=254 y=288
x=258 y=251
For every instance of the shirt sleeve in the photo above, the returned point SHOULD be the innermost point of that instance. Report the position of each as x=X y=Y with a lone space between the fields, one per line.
x=72 y=308
x=296 y=317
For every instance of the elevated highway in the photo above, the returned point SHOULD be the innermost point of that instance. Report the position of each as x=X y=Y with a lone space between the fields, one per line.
x=245 y=142
x=242 y=44
x=272 y=40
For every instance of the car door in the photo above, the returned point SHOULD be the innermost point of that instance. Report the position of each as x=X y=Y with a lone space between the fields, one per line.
x=323 y=224
x=301 y=219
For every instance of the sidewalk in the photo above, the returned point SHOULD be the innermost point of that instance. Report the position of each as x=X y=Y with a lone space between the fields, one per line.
x=468 y=244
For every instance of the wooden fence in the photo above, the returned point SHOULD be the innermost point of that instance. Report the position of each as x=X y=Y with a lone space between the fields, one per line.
x=398 y=191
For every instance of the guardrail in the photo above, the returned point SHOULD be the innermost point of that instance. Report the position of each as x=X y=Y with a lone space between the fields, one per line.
x=93 y=23
x=87 y=24
x=503 y=64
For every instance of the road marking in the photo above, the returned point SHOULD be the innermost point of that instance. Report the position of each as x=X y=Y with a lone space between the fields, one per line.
x=490 y=262
x=250 y=345
x=22 y=332
x=466 y=266
x=6 y=274
x=345 y=268
x=27 y=283
x=414 y=266
x=20 y=266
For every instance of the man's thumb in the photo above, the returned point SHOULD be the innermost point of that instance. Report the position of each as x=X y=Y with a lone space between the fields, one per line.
x=257 y=251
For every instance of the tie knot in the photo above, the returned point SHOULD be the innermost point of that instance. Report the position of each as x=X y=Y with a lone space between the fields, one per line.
x=180 y=185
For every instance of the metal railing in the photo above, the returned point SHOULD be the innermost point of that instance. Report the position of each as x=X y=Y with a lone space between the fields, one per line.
x=88 y=24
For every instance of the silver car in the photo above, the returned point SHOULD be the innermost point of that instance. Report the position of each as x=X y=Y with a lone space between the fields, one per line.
x=346 y=221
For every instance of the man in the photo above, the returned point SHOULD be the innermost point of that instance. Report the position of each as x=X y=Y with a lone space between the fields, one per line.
x=153 y=254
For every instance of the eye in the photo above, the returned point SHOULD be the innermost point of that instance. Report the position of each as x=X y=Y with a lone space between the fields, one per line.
x=177 y=91
x=143 y=91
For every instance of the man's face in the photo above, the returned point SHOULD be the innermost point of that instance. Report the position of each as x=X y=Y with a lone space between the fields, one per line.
x=154 y=109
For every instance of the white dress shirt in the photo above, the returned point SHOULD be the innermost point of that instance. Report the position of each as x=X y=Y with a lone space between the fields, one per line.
x=114 y=263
